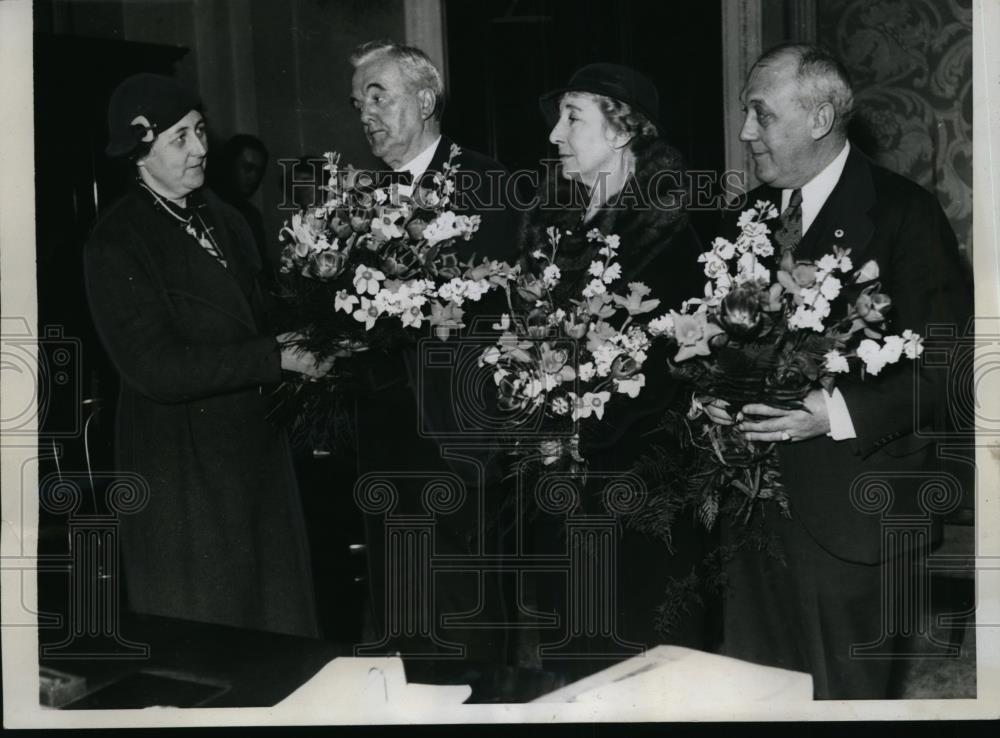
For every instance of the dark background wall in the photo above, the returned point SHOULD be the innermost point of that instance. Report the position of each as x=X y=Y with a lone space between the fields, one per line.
x=502 y=55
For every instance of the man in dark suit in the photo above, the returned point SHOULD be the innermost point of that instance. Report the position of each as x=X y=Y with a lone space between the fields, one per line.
x=840 y=455
x=408 y=411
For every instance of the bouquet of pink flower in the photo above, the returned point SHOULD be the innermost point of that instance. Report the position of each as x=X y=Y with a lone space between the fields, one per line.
x=758 y=335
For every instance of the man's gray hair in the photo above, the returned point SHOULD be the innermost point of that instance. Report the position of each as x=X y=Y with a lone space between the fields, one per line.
x=415 y=66
x=821 y=79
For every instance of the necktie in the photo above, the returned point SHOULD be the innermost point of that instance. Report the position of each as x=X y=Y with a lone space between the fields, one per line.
x=789 y=231
x=403 y=178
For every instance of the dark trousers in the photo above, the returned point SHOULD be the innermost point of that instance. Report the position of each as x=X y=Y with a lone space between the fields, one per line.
x=806 y=613
x=438 y=512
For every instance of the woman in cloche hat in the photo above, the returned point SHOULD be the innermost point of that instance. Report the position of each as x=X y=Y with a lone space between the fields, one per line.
x=212 y=529
x=616 y=173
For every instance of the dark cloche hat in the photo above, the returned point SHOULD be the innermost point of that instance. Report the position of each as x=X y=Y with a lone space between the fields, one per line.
x=611 y=80
x=142 y=107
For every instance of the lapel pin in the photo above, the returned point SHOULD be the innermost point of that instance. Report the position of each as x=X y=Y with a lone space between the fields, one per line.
x=839 y=233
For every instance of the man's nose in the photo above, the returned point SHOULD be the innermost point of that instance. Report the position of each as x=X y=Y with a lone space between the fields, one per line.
x=367 y=111
x=748 y=132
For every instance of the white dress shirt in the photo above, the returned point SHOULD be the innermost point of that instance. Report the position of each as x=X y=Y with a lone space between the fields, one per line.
x=418 y=165
x=814 y=195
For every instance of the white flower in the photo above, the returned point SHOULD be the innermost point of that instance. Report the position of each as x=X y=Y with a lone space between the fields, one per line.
x=412 y=315
x=749 y=268
x=722 y=248
x=871 y=354
x=596 y=287
x=714 y=265
x=830 y=288
x=868 y=272
x=490 y=356
x=612 y=240
x=585 y=371
x=662 y=326
x=604 y=355
x=632 y=385
x=828 y=263
x=344 y=301
x=560 y=405
x=761 y=246
x=551 y=275
x=537 y=254
x=767 y=209
x=806 y=317
x=380 y=196
x=504 y=323
x=596 y=268
x=612 y=273
x=368 y=313
x=836 y=362
x=367 y=279
x=448 y=225
x=592 y=403
x=892 y=349
x=845 y=264
x=914 y=344
x=746 y=217
x=387 y=302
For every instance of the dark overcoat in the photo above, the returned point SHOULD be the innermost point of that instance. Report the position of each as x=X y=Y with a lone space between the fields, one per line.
x=221 y=538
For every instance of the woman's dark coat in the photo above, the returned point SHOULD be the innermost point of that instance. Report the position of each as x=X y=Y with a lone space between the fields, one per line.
x=221 y=538
x=659 y=248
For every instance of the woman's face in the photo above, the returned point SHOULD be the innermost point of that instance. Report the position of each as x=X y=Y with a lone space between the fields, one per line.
x=175 y=165
x=588 y=148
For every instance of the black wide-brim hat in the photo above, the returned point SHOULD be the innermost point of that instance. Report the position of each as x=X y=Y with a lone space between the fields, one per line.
x=611 y=80
x=158 y=100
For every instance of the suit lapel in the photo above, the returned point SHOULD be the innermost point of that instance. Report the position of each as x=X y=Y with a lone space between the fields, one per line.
x=437 y=161
x=844 y=219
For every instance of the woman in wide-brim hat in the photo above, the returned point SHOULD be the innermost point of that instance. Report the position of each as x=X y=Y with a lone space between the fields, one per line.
x=616 y=173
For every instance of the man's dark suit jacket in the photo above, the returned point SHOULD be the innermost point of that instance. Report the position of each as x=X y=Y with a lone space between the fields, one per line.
x=882 y=216
x=810 y=611
x=405 y=413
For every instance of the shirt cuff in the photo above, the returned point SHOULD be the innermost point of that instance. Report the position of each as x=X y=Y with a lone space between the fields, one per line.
x=841 y=427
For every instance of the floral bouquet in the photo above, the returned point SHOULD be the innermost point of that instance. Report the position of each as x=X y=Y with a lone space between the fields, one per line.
x=568 y=359
x=369 y=266
x=770 y=337
x=369 y=261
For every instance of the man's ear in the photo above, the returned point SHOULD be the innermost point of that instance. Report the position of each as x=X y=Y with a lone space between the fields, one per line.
x=427 y=100
x=823 y=118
